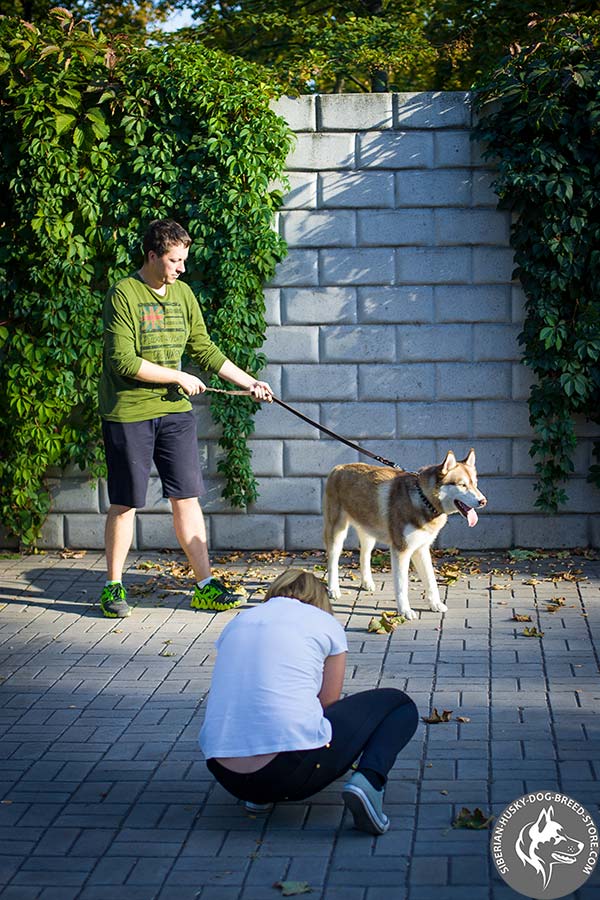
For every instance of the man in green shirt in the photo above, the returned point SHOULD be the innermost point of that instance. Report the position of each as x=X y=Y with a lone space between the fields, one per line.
x=150 y=319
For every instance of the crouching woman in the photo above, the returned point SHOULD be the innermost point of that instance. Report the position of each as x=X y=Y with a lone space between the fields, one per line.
x=275 y=727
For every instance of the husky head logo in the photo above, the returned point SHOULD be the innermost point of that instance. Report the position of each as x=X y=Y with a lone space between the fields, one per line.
x=543 y=844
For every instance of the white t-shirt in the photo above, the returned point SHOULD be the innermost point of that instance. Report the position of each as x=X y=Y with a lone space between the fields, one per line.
x=268 y=672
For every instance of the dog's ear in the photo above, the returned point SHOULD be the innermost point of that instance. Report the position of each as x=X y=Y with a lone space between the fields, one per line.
x=449 y=462
x=544 y=819
x=469 y=459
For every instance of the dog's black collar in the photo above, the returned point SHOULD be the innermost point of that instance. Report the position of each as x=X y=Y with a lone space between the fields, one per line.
x=426 y=501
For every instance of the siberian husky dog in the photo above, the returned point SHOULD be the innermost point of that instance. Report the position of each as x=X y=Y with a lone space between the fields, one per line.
x=405 y=510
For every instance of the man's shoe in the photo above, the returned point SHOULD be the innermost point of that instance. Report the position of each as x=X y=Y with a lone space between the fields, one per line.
x=113 y=602
x=366 y=805
x=214 y=595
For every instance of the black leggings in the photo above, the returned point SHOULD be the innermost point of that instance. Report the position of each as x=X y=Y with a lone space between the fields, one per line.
x=376 y=723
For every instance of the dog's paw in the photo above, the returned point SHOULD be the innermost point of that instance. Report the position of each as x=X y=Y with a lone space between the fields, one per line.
x=367 y=584
x=409 y=614
x=438 y=606
x=334 y=593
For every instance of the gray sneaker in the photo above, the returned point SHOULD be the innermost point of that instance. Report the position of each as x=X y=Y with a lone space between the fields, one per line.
x=366 y=805
x=257 y=807
x=113 y=601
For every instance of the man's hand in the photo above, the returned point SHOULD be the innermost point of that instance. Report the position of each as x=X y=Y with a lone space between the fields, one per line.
x=190 y=384
x=260 y=390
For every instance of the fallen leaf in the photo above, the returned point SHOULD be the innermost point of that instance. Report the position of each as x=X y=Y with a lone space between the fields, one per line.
x=533 y=632
x=462 y=719
x=568 y=575
x=386 y=623
x=522 y=554
x=450 y=573
x=586 y=552
x=499 y=587
x=521 y=617
x=532 y=581
x=380 y=560
x=71 y=554
x=476 y=820
x=290 y=888
x=435 y=718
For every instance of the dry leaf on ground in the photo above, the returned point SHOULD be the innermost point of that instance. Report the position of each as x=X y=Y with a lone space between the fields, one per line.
x=435 y=718
x=386 y=623
x=291 y=888
x=533 y=632
x=521 y=617
x=476 y=820
x=574 y=575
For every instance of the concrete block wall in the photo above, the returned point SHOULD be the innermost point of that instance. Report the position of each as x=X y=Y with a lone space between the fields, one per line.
x=394 y=321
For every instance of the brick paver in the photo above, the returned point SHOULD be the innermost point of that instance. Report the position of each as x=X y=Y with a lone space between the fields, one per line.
x=104 y=794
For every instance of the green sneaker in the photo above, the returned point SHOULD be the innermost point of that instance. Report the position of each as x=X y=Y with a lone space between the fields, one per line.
x=113 y=602
x=214 y=595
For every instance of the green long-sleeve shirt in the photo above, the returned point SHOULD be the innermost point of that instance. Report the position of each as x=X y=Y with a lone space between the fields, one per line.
x=140 y=324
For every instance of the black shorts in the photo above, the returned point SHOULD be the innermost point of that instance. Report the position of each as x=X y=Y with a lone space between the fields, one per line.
x=169 y=441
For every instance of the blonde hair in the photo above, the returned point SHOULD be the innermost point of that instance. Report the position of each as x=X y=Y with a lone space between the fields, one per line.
x=303 y=586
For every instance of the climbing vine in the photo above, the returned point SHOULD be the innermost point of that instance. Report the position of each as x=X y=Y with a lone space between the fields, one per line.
x=98 y=137
x=540 y=120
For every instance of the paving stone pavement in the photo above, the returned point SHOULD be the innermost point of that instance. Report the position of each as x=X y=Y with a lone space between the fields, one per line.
x=105 y=795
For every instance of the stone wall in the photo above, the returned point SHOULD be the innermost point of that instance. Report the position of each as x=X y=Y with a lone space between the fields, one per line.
x=393 y=321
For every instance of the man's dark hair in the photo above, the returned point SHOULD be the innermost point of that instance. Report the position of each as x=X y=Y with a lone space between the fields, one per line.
x=162 y=234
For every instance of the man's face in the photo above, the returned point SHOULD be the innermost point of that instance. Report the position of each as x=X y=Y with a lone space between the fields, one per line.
x=169 y=267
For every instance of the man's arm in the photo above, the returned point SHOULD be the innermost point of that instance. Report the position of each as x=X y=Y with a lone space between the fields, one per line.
x=149 y=371
x=260 y=389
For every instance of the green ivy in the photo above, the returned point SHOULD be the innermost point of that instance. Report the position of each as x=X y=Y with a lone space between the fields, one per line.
x=541 y=124
x=99 y=136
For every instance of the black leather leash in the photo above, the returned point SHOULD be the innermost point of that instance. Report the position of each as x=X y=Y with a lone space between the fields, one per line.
x=333 y=434
x=386 y=462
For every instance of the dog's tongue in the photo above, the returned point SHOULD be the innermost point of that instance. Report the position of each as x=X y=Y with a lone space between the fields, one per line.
x=472 y=518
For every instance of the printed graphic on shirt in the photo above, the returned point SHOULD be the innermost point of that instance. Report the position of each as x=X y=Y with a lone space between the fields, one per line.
x=163 y=333
x=152 y=317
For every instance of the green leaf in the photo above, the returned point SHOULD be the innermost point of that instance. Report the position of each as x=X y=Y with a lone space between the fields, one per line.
x=64 y=122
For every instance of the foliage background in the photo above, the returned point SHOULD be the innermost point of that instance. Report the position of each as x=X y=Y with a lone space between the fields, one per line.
x=98 y=137
x=322 y=46
x=541 y=123
x=319 y=46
